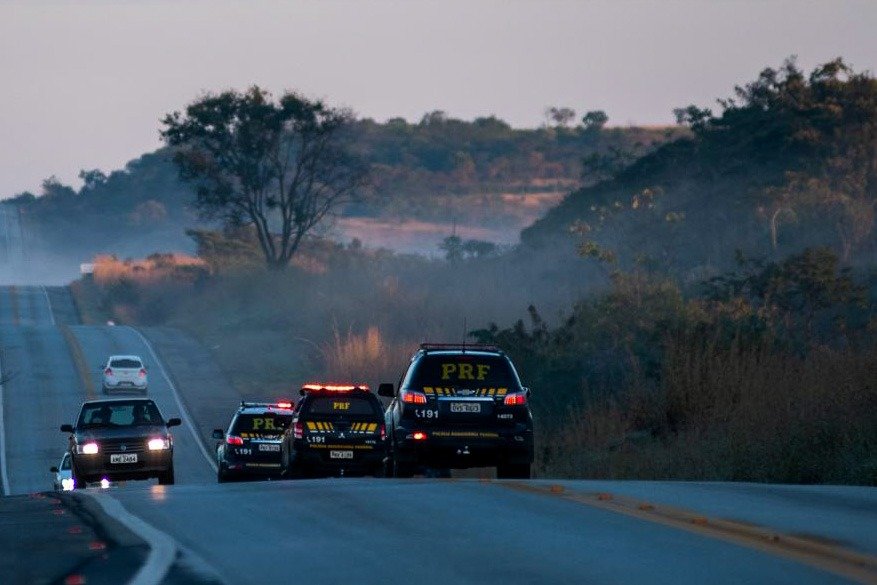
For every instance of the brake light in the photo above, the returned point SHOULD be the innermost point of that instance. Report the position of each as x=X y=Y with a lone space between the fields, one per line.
x=516 y=399
x=298 y=430
x=232 y=440
x=108 y=372
x=383 y=432
x=142 y=373
x=411 y=397
x=419 y=436
x=284 y=404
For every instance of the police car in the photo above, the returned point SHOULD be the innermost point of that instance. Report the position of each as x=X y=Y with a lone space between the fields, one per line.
x=252 y=446
x=338 y=430
x=459 y=406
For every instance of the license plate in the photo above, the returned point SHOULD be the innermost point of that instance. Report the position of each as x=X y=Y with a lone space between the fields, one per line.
x=340 y=454
x=124 y=458
x=269 y=447
x=465 y=407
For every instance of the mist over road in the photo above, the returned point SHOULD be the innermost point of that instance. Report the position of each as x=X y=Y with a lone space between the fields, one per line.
x=372 y=530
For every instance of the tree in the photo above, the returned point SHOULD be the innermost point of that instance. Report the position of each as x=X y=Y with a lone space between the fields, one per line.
x=452 y=246
x=594 y=120
x=560 y=116
x=278 y=166
x=92 y=179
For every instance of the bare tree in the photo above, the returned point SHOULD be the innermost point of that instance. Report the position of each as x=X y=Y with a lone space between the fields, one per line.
x=280 y=167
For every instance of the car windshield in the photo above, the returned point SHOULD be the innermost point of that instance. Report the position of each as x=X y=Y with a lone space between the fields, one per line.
x=343 y=404
x=463 y=371
x=126 y=364
x=119 y=414
x=259 y=426
x=65 y=462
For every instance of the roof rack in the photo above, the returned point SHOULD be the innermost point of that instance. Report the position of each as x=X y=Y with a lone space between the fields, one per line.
x=461 y=346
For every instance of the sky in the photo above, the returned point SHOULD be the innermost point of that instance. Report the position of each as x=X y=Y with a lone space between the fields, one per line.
x=83 y=84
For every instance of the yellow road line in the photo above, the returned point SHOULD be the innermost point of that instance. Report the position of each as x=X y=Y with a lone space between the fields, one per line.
x=860 y=567
x=79 y=362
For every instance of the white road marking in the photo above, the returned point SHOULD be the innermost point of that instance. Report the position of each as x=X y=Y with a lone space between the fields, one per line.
x=184 y=414
x=4 y=474
x=162 y=548
x=49 y=303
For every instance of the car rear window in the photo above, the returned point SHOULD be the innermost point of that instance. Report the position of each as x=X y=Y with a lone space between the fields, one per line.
x=255 y=426
x=125 y=364
x=343 y=404
x=463 y=371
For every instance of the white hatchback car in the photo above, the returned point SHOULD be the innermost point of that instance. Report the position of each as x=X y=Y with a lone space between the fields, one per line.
x=125 y=372
x=62 y=476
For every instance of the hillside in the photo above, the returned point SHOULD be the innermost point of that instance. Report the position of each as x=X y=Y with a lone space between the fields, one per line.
x=484 y=177
x=789 y=162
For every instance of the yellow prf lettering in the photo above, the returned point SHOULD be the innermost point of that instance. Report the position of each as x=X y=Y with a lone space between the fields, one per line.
x=258 y=423
x=447 y=370
x=482 y=371
x=340 y=405
x=466 y=372
x=269 y=424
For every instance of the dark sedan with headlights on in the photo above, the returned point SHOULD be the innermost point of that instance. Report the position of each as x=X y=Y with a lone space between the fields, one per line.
x=121 y=439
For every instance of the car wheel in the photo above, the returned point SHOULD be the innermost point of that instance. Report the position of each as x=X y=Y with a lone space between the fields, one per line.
x=221 y=475
x=513 y=471
x=78 y=483
x=402 y=470
x=167 y=478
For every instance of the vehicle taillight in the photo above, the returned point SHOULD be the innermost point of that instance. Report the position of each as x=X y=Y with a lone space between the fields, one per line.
x=383 y=432
x=142 y=373
x=232 y=440
x=298 y=430
x=411 y=397
x=108 y=372
x=516 y=399
x=418 y=436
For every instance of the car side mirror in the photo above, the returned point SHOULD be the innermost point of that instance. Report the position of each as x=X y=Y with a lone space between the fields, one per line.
x=174 y=422
x=218 y=434
x=386 y=389
x=66 y=428
x=53 y=469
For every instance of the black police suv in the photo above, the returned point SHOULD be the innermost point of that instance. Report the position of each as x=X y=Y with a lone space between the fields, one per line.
x=252 y=446
x=337 y=431
x=121 y=439
x=459 y=406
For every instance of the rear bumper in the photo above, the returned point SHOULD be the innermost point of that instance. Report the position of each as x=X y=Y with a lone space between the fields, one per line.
x=91 y=468
x=465 y=447
x=261 y=465
x=366 y=458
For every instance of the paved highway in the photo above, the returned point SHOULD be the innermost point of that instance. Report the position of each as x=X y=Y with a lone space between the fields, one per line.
x=367 y=530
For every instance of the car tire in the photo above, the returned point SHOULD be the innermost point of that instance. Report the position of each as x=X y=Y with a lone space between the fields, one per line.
x=401 y=470
x=513 y=471
x=78 y=484
x=167 y=478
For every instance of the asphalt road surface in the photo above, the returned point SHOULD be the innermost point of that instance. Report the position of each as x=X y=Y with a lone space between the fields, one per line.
x=364 y=530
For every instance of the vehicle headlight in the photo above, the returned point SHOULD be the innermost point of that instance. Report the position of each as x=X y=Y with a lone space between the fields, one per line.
x=158 y=444
x=90 y=448
x=67 y=484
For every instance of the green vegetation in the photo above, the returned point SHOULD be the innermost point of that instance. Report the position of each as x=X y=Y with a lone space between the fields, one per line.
x=788 y=163
x=704 y=311
x=438 y=169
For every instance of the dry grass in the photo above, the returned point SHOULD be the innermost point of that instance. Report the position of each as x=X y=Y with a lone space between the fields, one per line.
x=731 y=414
x=367 y=357
x=109 y=270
